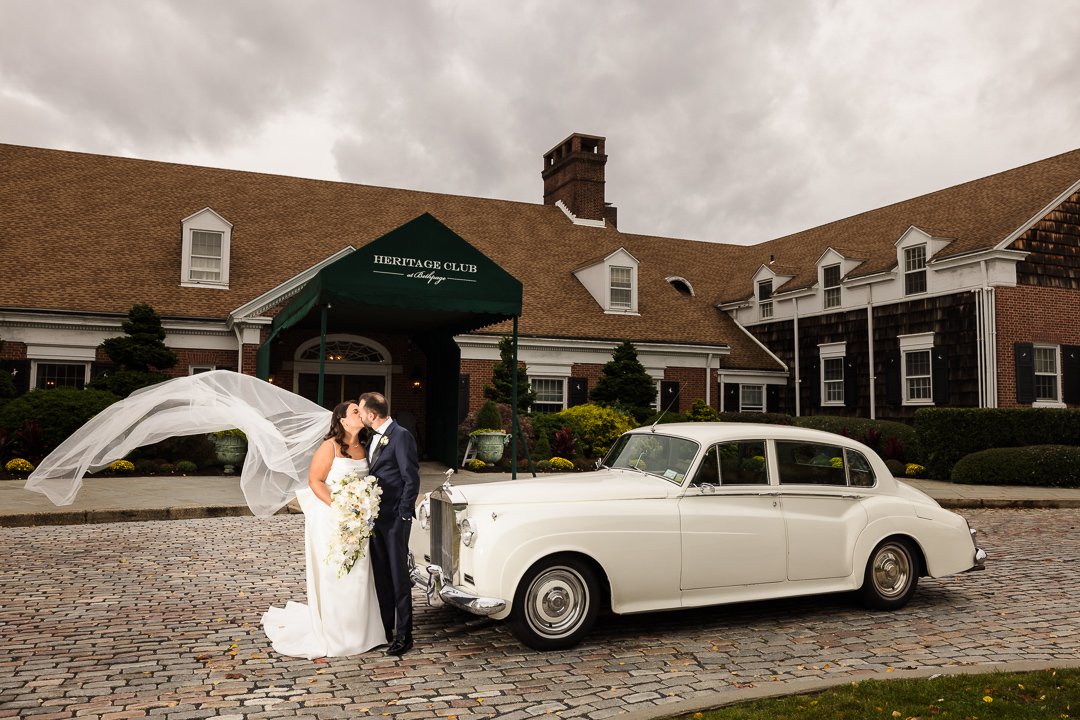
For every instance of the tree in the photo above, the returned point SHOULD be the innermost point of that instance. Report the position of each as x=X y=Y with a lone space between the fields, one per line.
x=501 y=386
x=140 y=353
x=624 y=384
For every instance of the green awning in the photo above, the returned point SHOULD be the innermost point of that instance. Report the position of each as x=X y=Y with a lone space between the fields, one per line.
x=421 y=277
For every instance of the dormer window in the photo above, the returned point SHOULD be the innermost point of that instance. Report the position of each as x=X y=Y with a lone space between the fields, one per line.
x=764 y=296
x=205 y=255
x=621 y=288
x=915 y=270
x=830 y=281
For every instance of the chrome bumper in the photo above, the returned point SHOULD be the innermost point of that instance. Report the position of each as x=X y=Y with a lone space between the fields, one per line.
x=980 y=554
x=440 y=592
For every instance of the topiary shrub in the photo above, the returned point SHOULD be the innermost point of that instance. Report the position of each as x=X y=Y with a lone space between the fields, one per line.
x=59 y=411
x=600 y=427
x=186 y=467
x=19 y=466
x=488 y=418
x=122 y=467
x=1041 y=465
x=559 y=464
x=542 y=447
x=895 y=467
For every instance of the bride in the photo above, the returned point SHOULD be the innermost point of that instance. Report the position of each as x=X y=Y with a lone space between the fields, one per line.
x=290 y=454
x=342 y=617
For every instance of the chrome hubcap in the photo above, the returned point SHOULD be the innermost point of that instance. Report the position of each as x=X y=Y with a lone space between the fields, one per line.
x=556 y=602
x=892 y=571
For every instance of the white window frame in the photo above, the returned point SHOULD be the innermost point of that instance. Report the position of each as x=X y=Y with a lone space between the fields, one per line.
x=562 y=385
x=743 y=406
x=911 y=344
x=200 y=368
x=765 y=305
x=206 y=220
x=915 y=266
x=628 y=288
x=35 y=363
x=1056 y=401
x=832 y=352
x=831 y=296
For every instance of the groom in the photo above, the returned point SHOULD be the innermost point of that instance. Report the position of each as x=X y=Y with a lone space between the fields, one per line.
x=393 y=460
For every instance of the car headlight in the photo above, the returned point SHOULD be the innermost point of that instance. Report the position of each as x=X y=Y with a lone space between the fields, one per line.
x=468 y=532
x=424 y=514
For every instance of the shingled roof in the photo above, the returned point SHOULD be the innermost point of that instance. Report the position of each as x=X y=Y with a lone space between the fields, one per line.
x=92 y=233
x=976 y=215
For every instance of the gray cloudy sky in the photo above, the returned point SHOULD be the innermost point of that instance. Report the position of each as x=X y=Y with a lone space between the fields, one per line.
x=725 y=121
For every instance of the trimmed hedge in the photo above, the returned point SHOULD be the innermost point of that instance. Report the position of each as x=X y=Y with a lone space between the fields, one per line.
x=1042 y=465
x=756 y=417
x=59 y=411
x=945 y=435
x=891 y=440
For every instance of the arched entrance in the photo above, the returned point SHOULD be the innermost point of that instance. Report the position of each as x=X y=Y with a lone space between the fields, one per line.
x=419 y=285
x=352 y=365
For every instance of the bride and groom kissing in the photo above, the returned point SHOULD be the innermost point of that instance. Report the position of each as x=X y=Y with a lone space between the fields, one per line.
x=371 y=604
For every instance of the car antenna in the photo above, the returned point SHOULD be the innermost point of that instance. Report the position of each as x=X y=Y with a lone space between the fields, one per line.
x=652 y=428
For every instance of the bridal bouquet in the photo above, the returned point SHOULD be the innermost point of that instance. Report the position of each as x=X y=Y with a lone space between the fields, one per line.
x=354 y=501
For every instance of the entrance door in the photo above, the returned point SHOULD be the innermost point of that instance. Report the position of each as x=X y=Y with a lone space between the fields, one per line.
x=339 y=388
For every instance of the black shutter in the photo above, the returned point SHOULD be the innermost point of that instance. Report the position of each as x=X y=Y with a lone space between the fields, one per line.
x=669 y=396
x=813 y=376
x=939 y=367
x=851 y=384
x=1025 y=373
x=578 y=394
x=1070 y=374
x=462 y=398
x=772 y=398
x=892 y=378
x=731 y=397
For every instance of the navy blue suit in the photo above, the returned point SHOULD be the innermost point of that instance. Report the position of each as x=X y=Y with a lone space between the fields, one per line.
x=397 y=467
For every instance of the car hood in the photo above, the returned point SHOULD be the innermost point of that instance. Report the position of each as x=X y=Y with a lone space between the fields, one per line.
x=577 y=487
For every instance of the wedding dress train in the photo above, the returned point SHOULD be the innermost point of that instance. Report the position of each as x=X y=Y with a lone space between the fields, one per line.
x=341 y=616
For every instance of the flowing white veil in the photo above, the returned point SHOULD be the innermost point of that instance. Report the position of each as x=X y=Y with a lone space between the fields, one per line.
x=283 y=431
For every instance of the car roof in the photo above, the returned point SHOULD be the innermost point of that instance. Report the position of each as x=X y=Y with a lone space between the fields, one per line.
x=715 y=431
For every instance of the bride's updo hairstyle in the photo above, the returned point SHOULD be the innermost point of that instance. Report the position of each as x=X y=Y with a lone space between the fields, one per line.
x=337 y=430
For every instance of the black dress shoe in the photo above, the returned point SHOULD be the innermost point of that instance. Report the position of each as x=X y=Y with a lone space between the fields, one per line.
x=401 y=645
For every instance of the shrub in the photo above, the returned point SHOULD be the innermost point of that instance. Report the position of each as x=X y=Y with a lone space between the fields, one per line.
x=19 y=466
x=543 y=466
x=542 y=447
x=476 y=465
x=1042 y=465
x=663 y=418
x=166 y=468
x=944 y=435
x=700 y=412
x=186 y=467
x=914 y=470
x=7 y=386
x=756 y=417
x=59 y=412
x=563 y=443
x=231 y=432
x=624 y=383
x=122 y=466
x=600 y=427
x=502 y=379
x=146 y=466
x=887 y=438
x=561 y=464
x=124 y=382
x=895 y=467
x=488 y=417
x=198 y=449
x=583 y=465
x=30 y=439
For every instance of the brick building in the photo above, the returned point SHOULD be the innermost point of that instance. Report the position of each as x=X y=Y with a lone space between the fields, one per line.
x=968 y=296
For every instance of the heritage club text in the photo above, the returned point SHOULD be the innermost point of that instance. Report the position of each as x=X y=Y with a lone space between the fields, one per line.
x=424 y=264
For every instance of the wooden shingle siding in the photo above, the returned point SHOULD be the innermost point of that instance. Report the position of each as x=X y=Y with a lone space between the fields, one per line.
x=1054 y=247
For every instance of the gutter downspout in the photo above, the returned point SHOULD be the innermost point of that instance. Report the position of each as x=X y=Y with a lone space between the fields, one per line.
x=720 y=382
x=870 y=348
x=239 y=348
x=798 y=375
x=708 y=380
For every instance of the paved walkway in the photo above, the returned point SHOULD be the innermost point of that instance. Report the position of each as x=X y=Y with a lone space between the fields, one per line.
x=184 y=498
x=135 y=619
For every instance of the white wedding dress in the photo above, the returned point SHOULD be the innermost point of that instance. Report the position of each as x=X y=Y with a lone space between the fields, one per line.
x=341 y=616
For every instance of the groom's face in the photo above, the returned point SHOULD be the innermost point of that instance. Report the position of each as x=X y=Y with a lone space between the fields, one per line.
x=366 y=416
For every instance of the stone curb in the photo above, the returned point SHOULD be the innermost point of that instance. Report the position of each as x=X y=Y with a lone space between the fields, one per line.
x=90 y=517
x=735 y=696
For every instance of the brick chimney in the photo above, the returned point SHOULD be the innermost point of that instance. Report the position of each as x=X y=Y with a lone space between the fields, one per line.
x=574 y=173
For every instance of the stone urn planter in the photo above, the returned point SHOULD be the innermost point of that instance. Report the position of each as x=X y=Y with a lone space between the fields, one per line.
x=490 y=445
x=230 y=447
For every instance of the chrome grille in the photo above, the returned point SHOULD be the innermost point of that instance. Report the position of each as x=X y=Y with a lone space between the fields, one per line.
x=444 y=534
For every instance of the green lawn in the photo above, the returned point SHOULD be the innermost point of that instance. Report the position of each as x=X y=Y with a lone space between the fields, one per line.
x=1053 y=694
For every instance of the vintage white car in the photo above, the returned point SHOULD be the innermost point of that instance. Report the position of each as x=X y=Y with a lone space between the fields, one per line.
x=685 y=515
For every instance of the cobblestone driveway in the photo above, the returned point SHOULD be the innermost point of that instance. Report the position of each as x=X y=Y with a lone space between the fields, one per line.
x=132 y=619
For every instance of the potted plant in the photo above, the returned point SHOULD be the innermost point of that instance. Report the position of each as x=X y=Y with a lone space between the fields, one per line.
x=230 y=447
x=489 y=438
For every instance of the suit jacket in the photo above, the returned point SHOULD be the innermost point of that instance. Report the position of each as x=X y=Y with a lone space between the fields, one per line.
x=397 y=466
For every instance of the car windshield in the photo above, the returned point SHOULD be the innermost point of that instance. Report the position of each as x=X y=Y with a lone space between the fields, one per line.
x=661 y=455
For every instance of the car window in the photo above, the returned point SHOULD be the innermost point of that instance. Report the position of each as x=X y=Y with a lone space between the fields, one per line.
x=662 y=455
x=859 y=471
x=743 y=463
x=708 y=473
x=802 y=463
